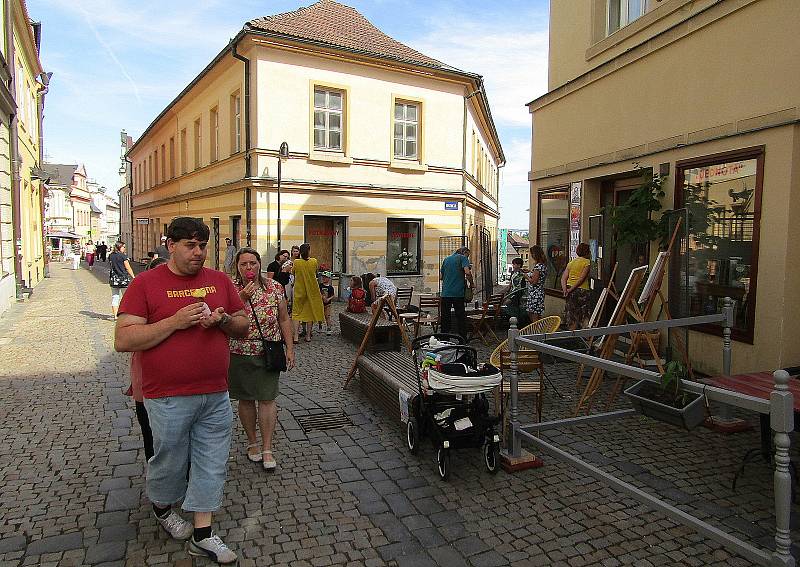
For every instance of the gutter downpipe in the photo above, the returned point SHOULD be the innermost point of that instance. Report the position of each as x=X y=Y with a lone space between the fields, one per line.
x=248 y=208
x=45 y=83
x=16 y=197
x=129 y=185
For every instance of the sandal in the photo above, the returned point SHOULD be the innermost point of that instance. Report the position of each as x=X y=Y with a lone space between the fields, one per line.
x=254 y=457
x=269 y=463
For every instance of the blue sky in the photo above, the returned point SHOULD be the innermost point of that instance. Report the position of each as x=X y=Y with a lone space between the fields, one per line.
x=117 y=63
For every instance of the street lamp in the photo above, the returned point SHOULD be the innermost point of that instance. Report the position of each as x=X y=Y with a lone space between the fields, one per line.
x=283 y=154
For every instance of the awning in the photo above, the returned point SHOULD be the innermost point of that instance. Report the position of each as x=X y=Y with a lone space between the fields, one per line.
x=63 y=235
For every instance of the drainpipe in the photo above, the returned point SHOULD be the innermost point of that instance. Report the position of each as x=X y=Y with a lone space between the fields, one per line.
x=45 y=88
x=129 y=184
x=16 y=198
x=247 y=142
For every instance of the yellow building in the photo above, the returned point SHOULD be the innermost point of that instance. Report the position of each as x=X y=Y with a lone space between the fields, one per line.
x=29 y=90
x=389 y=153
x=704 y=94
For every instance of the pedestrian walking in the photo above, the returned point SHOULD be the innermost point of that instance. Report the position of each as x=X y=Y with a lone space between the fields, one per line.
x=326 y=291
x=456 y=276
x=307 y=306
x=89 y=251
x=274 y=267
x=120 y=275
x=535 y=281
x=286 y=278
x=76 y=254
x=575 y=285
x=103 y=251
x=161 y=250
x=258 y=358
x=230 y=252
x=135 y=390
x=179 y=316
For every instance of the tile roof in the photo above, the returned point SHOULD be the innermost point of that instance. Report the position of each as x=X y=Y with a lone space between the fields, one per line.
x=341 y=26
x=60 y=174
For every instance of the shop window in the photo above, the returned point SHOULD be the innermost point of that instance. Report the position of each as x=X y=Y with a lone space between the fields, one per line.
x=403 y=246
x=553 y=234
x=328 y=119
x=723 y=198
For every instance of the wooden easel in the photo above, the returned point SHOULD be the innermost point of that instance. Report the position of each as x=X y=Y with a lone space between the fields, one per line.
x=646 y=311
x=627 y=303
x=383 y=301
x=609 y=290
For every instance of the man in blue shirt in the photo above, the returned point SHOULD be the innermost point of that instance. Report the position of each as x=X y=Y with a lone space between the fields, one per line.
x=455 y=273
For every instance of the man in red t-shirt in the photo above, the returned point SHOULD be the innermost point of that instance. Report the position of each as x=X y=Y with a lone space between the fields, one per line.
x=179 y=316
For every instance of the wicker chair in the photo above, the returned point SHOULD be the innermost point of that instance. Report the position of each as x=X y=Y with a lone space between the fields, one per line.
x=528 y=361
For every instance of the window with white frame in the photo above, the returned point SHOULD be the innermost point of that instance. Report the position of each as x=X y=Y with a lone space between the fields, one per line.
x=623 y=12
x=406 y=128
x=236 y=119
x=213 y=118
x=328 y=119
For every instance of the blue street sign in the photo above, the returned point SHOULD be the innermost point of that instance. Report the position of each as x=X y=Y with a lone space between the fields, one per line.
x=451 y=205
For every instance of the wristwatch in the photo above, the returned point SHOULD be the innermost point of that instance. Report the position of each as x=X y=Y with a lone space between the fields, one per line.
x=225 y=320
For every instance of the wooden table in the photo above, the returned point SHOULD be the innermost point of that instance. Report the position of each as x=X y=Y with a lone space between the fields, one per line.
x=758 y=385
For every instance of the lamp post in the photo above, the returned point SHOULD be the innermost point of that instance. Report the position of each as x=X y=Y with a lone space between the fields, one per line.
x=283 y=154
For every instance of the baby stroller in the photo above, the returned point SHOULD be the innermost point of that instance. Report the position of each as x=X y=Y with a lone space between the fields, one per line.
x=451 y=406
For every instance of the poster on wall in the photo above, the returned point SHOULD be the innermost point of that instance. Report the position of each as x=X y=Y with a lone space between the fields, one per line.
x=574 y=218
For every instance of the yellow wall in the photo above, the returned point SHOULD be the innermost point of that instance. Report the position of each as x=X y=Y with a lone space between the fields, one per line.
x=651 y=106
x=28 y=68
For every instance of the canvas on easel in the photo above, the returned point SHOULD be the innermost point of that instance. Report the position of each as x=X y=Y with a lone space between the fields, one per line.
x=625 y=304
x=605 y=294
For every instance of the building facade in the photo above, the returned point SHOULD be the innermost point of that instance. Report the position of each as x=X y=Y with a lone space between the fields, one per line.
x=8 y=107
x=388 y=155
x=30 y=83
x=678 y=89
x=125 y=179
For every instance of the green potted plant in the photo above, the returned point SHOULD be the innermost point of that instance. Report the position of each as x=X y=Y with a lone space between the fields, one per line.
x=666 y=401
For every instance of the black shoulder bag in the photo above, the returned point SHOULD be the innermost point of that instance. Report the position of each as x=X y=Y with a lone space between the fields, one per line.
x=274 y=355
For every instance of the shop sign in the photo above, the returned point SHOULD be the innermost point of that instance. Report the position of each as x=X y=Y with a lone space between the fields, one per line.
x=574 y=218
x=322 y=232
x=451 y=205
x=142 y=221
x=721 y=172
x=402 y=235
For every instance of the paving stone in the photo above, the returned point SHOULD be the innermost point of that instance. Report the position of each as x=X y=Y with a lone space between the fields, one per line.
x=112 y=518
x=470 y=546
x=104 y=552
x=446 y=555
x=123 y=499
x=122 y=457
x=14 y=543
x=488 y=559
x=120 y=532
x=55 y=543
x=114 y=484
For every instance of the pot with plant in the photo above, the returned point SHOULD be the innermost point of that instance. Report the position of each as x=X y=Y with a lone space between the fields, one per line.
x=666 y=401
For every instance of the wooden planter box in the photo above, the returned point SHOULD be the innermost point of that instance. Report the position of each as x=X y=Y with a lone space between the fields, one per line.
x=688 y=417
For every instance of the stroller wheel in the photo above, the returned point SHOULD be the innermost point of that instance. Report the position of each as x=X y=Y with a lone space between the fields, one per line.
x=412 y=435
x=443 y=462
x=491 y=456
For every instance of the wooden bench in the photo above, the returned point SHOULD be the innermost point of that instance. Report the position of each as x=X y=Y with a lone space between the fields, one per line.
x=383 y=374
x=385 y=336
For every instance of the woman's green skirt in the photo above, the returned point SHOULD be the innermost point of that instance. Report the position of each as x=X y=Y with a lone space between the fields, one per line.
x=249 y=380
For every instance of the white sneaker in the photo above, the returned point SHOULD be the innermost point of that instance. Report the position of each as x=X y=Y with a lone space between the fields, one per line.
x=214 y=548
x=176 y=526
x=329 y=332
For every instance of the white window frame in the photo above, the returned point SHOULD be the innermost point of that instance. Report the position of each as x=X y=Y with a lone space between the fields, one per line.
x=624 y=17
x=237 y=122
x=327 y=112
x=213 y=116
x=405 y=121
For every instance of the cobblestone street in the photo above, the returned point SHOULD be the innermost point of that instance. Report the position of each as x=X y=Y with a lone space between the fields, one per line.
x=72 y=471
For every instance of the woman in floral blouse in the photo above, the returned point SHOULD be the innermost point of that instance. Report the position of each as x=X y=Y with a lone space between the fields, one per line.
x=248 y=379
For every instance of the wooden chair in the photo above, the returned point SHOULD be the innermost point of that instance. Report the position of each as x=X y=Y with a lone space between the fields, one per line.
x=482 y=323
x=527 y=361
x=404 y=295
x=429 y=314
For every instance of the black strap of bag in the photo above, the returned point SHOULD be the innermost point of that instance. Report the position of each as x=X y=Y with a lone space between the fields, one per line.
x=274 y=355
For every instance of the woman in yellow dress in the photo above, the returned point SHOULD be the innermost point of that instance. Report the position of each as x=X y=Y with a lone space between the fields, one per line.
x=575 y=285
x=307 y=306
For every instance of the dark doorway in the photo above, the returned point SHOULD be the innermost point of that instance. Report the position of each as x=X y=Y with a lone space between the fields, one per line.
x=616 y=192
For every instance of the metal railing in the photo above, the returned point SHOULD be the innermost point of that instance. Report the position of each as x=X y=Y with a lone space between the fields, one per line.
x=780 y=408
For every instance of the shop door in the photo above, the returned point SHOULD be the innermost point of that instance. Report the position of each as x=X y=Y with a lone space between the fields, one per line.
x=326 y=235
x=626 y=256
